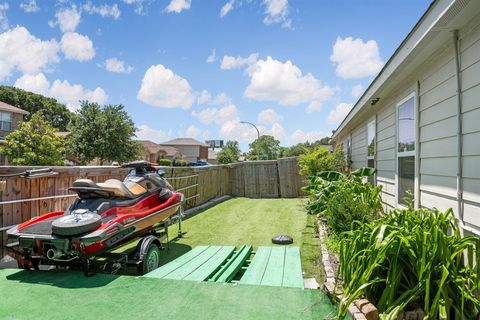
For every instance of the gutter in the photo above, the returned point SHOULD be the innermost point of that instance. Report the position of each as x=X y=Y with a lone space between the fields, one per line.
x=460 y=212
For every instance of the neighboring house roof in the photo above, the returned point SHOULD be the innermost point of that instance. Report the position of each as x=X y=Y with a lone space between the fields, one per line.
x=7 y=107
x=184 y=142
x=440 y=12
x=153 y=147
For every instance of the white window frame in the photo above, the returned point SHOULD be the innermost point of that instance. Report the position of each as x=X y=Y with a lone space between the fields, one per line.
x=1 y=120
x=374 y=121
x=374 y=157
x=413 y=153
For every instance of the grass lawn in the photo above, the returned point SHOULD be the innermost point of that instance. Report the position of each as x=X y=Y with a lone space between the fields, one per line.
x=251 y=221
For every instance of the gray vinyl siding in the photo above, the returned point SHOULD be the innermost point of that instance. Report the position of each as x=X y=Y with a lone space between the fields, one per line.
x=386 y=130
x=470 y=77
x=359 y=147
x=438 y=132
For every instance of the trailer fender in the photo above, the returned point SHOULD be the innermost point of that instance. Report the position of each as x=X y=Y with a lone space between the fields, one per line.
x=144 y=244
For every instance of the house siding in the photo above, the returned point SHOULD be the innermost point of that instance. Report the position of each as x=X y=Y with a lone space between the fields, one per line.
x=359 y=147
x=437 y=138
x=470 y=78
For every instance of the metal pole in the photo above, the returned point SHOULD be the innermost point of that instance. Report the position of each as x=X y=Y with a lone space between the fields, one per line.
x=258 y=133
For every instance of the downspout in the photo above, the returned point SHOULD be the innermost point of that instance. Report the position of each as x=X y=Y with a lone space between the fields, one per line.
x=459 y=131
x=417 y=197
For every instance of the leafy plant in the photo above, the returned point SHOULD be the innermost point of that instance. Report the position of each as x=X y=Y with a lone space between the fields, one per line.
x=56 y=114
x=412 y=259
x=264 y=148
x=105 y=133
x=180 y=163
x=344 y=198
x=34 y=144
x=321 y=159
x=164 y=162
x=230 y=153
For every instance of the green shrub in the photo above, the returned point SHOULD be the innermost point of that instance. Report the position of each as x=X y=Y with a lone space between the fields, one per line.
x=320 y=159
x=315 y=161
x=180 y=163
x=412 y=259
x=343 y=199
x=353 y=200
x=164 y=162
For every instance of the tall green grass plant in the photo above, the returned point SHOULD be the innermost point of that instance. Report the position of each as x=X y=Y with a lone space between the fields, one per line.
x=412 y=259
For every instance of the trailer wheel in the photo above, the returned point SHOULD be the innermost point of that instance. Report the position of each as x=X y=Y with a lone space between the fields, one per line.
x=151 y=260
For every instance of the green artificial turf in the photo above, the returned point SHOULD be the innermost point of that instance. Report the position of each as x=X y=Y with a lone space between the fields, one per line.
x=70 y=295
x=253 y=222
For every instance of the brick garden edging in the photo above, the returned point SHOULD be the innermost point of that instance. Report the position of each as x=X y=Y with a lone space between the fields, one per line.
x=360 y=309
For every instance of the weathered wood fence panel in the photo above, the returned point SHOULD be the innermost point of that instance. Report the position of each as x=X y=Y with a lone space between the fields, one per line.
x=256 y=179
x=289 y=179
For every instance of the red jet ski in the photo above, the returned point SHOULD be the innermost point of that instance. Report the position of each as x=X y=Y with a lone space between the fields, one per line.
x=104 y=217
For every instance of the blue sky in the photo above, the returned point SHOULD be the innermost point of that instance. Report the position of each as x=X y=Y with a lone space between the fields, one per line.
x=197 y=68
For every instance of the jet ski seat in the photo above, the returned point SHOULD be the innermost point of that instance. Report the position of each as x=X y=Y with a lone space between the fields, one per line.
x=110 y=188
x=118 y=187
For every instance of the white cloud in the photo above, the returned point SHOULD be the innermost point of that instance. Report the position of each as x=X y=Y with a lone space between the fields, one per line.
x=227 y=7
x=34 y=83
x=103 y=10
x=77 y=47
x=204 y=97
x=178 y=5
x=144 y=132
x=230 y=62
x=300 y=136
x=357 y=90
x=72 y=94
x=63 y=91
x=163 y=88
x=117 y=66
x=29 y=6
x=221 y=99
x=140 y=9
x=205 y=135
x=217 y=115
x=314 y=106
x=339 y=113
x=272 y=80
x=3 y=16
x=67 y=19
x=192 y=132
x=20 y=50
x=277 y=131
x=212 y=57
x=234 y=130
x=355 y=58
x=268 y=116
x=277 y=12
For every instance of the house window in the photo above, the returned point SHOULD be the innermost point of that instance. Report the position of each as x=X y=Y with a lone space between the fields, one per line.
x=406 y=149
x=371 y=149
x=5 y=121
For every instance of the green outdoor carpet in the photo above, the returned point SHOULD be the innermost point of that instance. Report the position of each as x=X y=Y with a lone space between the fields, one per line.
x=70 y=295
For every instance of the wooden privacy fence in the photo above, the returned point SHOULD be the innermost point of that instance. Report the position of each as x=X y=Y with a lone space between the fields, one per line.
x=257 y=179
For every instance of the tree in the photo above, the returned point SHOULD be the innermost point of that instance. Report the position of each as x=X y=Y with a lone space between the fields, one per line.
x=105 y=133
x=34 y=144
x=264 y=148
x=55 y=113
x=230 y=153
